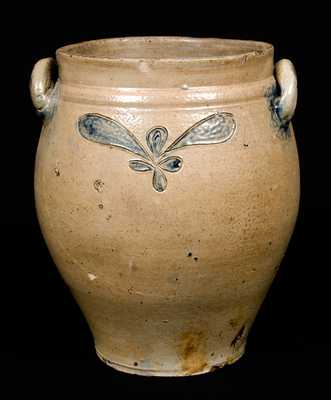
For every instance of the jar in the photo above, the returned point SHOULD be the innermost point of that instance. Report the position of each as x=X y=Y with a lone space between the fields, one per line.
x=167 y=189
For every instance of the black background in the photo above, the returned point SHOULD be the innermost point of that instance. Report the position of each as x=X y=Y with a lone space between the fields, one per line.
x=43 y=336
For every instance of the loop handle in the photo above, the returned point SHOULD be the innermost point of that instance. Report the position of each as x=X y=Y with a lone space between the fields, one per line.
x=42 y=85
x=286 y=103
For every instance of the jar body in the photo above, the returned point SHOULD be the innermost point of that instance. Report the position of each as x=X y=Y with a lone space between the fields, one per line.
x=169 y=281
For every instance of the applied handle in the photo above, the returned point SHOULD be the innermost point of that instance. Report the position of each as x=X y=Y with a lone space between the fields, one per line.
x=42 y=85
x=285 y=104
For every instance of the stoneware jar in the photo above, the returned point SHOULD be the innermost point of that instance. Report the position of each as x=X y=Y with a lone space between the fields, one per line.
x=167 y=189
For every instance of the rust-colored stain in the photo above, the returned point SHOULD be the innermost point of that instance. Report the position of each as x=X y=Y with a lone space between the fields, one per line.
x=193 y=352
x=57 y=172
x=234 y=322
x=98 y=185
x=232 y=359
x=239 y=338
x=215 y=367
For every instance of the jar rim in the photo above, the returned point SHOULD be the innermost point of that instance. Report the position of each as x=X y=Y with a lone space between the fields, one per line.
x=164 y=62
x=165 y=49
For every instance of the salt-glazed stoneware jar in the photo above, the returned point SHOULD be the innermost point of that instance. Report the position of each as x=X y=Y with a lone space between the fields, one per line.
x=167 y=189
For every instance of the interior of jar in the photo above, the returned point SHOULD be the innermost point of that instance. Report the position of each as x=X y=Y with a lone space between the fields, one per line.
x=169 y=48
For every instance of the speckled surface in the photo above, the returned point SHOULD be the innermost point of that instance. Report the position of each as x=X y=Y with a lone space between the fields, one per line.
x=170 y=282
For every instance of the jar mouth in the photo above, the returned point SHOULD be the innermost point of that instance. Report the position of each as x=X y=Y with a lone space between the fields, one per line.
x=165 y=49
x=164 y=62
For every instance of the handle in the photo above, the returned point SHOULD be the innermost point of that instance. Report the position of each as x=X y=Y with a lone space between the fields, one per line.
x=285 y=104
x=42 y=85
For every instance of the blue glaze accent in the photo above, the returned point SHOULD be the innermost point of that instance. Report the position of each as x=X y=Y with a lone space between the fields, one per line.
x=103 y=130
x=217 y=128
x=140 y=166
x=159 y=180
x=156 y=139
x=171 y=164
x=283 y=127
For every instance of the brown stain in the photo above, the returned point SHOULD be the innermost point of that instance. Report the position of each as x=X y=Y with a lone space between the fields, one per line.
x=234 y=322
x=134 y=268
x=192 y=352
x=232 y=359
x=239 y=338
x=98 y=185
x=215 y=367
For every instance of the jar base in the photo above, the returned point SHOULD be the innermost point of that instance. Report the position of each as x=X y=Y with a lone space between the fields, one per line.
x=169 y=373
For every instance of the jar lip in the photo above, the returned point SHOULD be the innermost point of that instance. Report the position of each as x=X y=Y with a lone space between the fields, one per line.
x=165 y=50
x=164 y=62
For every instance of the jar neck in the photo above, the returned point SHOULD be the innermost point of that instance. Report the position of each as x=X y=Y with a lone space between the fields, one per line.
x=240 y=62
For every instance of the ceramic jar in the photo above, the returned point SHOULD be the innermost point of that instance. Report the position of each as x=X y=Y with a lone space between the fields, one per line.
x=167 y=189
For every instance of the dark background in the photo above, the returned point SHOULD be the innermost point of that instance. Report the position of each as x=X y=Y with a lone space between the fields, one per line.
x=43 y=335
